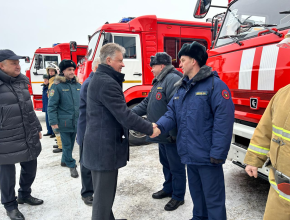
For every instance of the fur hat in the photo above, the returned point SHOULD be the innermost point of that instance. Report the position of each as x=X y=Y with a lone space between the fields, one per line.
x=194 y=50
x=160 y=58
x=45 y=76
x=66 y=64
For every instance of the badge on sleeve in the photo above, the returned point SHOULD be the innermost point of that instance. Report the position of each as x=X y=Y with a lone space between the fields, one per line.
x=158 y=96
x=51 y=93
x=225 y=94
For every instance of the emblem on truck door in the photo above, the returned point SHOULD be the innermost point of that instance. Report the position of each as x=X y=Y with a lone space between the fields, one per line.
x=254 y=103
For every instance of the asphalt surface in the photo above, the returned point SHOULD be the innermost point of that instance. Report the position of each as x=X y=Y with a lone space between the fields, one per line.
x=245 y=197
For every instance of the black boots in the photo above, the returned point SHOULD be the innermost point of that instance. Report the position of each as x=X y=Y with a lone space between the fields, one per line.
x=74 y=172
x=15 y=214
x=173 y=204
x=160 y=195
x=88 y=200
x=30 y=200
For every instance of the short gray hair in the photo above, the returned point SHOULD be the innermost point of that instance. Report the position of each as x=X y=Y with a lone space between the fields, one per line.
x=109 y=50
x=96 y=62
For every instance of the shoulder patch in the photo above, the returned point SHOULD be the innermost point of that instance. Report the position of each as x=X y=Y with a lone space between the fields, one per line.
x=225 y=94
x=159 y=87
x=51 y=93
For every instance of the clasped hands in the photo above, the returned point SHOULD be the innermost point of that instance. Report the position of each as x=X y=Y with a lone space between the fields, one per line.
x=156 y=131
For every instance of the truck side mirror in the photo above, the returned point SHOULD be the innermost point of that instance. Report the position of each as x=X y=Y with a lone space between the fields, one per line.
x=38 y=61
x=73 y=46
x=201 y=8
x=27 y=59
x=108 y=38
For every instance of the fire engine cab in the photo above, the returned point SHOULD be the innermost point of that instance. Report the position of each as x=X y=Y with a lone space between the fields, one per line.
x=143 y=37
x=42 y=58
x=246 y=56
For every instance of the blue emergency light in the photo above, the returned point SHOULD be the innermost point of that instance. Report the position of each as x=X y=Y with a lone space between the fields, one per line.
x=55 y=44
x=126 y=20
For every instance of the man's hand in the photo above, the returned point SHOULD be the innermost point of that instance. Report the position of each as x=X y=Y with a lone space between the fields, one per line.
x=54 y=126
x=40 y=135
x=156 y=131
x=252 y=171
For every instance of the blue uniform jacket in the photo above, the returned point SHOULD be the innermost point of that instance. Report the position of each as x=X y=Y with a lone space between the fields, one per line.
x=83 y=110
x=44 y=97
x=203 y=111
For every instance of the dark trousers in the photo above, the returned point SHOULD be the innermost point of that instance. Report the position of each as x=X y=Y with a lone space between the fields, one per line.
x=49 y=129
x=105 y=185
x=68 y=141
x=86 y=176
x=173 y=170
x=207 y=190
x=7 y=182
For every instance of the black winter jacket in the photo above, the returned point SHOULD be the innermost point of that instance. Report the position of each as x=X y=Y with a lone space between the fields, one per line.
x=19 y=125
x=155 y=104
x=106 y=144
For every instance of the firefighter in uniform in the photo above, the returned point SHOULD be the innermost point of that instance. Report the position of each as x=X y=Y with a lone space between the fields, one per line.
x=52 y=72
x=63 y=111
x=203 y=111
x=154 y=106
x=271 y=144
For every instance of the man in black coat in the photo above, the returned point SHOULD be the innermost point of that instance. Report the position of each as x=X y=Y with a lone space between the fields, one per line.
x=106 y=144
x=155 y=106
x=20 y=134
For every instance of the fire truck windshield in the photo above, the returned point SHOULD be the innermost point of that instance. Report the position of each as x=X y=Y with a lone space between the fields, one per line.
x=92 y=46
x=246 y=18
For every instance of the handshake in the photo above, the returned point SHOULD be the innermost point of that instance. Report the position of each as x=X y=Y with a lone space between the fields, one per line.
x=156 y=131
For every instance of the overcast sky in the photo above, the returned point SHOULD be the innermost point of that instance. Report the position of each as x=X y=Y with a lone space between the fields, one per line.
x=29 y=24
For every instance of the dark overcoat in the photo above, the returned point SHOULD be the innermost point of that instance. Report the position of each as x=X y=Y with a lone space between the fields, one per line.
x=106 y=141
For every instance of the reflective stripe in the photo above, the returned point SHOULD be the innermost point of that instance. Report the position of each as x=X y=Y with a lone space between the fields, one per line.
x=280 y=132
x=257 y=149
x=281 y=194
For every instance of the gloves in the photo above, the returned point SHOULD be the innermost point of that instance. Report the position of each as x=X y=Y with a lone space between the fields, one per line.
x=216 y=161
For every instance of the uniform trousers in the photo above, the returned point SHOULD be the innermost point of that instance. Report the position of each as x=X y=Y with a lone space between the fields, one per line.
x=207 y=190
x=8 y=181
x=68 y=141
x=48 y=127
x=86 y=176
x=173 y=170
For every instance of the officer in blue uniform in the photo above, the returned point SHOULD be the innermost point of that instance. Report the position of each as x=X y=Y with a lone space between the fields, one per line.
x=154 y=106
x=203 y=111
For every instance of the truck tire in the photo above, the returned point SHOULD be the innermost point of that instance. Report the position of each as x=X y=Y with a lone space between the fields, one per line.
x=136 y=138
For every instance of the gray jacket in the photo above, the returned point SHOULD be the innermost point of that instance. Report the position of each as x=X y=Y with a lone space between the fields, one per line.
x=19 y=125
x=155 y=104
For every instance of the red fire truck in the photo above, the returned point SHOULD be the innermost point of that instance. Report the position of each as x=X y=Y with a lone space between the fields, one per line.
x=142 y=37
x=246 y=56
x=44 y=56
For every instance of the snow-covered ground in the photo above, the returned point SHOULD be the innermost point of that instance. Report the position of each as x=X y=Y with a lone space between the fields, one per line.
x=246 y=197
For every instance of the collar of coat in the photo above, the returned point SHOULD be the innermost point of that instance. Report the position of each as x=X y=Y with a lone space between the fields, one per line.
x=5 y=78
x=203 y=73
x=104 y=68
x=61 y=79
x=166 y=70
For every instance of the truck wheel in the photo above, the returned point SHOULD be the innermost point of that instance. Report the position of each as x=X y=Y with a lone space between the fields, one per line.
x=136 y=138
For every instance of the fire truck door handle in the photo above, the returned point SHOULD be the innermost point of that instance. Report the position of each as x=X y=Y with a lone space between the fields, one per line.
x=137 y=74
